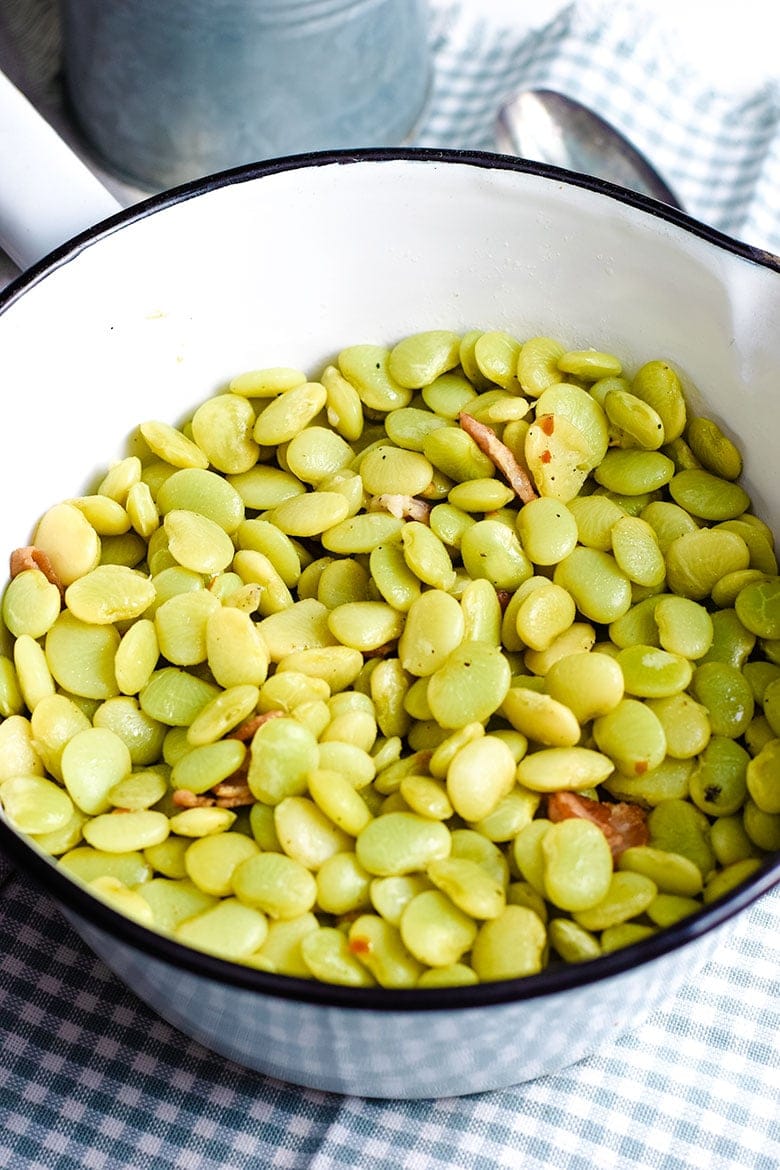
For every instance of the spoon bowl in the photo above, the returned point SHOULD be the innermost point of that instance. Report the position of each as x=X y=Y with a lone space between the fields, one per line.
x=550 y=127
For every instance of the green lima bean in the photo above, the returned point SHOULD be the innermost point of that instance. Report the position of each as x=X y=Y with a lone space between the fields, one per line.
x=451 y=661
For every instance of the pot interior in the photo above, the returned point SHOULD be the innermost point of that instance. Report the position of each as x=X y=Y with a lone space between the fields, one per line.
x=286 y=266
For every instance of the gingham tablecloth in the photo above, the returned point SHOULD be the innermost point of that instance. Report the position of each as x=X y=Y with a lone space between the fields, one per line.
x=92 y=1080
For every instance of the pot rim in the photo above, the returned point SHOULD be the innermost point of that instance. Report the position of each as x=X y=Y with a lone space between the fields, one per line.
x=93 y=912
x=479 y=159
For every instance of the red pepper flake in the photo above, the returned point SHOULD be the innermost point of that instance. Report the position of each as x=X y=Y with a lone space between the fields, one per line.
x=640 y=767
x=547 y=423
x=545 y=456
x=359 y=945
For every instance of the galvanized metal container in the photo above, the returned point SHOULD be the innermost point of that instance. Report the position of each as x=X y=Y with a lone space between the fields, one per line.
x=165 y=93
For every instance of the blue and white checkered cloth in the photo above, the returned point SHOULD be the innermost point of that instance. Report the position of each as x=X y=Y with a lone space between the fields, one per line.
x=716 y=143
x=90 y=1079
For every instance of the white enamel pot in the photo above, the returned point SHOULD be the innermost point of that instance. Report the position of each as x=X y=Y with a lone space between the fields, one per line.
x=283 y=264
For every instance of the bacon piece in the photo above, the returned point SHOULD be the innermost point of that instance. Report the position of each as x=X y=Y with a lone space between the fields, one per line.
x=623 y=824
x=499 y=454
x=183 y=798
x=233 y=793
x=34 y=558
x=504 y=597
x=383 y=651
x=247 y=729
x=401 y=506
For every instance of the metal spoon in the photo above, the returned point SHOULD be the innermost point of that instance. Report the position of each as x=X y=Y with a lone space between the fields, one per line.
x=549 y=127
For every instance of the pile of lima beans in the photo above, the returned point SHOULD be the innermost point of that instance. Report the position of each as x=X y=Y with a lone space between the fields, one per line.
x=456 y=663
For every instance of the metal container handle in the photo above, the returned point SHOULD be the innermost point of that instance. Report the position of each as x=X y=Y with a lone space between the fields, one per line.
x=47 y=194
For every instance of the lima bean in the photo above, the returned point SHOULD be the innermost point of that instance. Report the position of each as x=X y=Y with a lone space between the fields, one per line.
x=324 y=597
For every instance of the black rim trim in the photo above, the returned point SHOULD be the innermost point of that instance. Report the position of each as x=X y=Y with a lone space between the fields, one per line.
x=550 y=982
x=484 y=160
x=76 y=899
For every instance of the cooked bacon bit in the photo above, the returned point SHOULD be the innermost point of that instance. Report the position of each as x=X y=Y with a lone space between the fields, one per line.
x=183 y=798
x=547 y=423
x=400 y=506
x=381 y=651
x=34 y=558
x=350 y=916
x=24 y=558
x=233 y=794
x=504 y=597
x=629 y=823
x=247 y=729
x=623 y=824
x=499 y=454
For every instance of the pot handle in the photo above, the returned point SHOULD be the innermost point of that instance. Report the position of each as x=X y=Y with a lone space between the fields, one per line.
x=47 y=194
